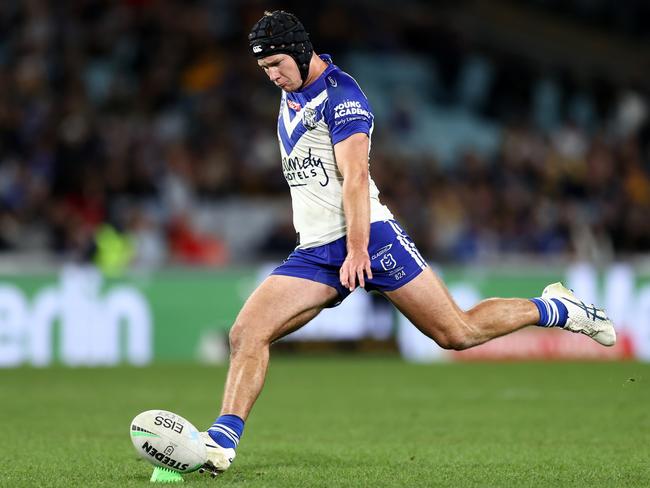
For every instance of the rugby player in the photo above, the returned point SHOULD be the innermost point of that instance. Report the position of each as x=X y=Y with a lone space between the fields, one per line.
x=348 y=238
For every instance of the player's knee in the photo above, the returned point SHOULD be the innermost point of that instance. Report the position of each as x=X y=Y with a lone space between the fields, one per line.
x=454 y=343
x=454 y=334
x=235 y=338
x=456 y=340
x=243 y=337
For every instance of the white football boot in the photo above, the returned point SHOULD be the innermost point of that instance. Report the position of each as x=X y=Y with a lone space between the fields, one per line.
x=219 y=458
x=584 y=319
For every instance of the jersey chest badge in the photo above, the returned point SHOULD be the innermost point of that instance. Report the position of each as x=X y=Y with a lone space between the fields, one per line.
x=295 y=106
x=309 y=118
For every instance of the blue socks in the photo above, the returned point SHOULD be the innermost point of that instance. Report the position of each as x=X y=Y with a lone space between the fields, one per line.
x=552 y=312
x=227 y=430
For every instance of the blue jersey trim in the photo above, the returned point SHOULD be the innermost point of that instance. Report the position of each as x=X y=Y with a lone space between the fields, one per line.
x=355 y=127
x=290 y=141
x=347 y=111
x=354 y=114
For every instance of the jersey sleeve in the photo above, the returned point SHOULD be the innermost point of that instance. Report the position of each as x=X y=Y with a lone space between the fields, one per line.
x=347 y=110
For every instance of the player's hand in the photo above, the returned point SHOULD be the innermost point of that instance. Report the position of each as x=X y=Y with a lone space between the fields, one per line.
x=356 y=264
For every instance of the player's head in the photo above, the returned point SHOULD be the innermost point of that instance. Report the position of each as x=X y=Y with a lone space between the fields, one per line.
x=282 y=47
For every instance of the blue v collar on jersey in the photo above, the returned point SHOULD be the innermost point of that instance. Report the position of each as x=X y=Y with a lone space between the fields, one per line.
x=317 y=85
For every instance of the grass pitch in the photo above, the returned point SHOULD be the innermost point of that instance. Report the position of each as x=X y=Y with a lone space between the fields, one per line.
x=344 y=421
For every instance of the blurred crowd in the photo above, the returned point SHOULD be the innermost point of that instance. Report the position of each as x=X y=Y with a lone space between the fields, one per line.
x=564 y=195
x=118 y=119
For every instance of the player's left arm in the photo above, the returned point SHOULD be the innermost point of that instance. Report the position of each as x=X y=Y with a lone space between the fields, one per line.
x=352 y=160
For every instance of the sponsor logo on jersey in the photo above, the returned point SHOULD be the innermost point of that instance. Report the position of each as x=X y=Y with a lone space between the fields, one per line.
x=309 y=118
x=162 y=458
x=257 y=48
x=298 y=171
x=294 y=105
x=350 y=108
x=332 y=81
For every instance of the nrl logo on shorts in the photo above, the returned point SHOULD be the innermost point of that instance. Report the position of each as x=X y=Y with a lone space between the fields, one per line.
x=309 y=118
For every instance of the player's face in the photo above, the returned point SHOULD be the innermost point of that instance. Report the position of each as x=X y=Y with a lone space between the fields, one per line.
x=282 y=70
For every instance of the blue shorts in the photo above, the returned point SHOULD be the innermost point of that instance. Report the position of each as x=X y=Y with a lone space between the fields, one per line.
x=394 y=260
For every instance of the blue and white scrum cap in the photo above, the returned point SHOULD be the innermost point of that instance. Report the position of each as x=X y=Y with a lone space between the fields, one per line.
x=280 y=32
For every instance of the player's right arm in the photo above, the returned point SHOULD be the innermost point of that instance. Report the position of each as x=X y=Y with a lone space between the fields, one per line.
x=350 y=121
x=352 y=161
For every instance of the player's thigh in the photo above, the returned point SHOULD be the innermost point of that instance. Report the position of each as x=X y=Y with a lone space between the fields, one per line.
x=280 y=305
x=426 y=302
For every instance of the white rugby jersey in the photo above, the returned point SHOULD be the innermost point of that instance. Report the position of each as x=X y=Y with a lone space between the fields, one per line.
x=311 y=121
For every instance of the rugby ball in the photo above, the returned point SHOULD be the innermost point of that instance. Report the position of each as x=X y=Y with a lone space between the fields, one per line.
x=168 y=440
